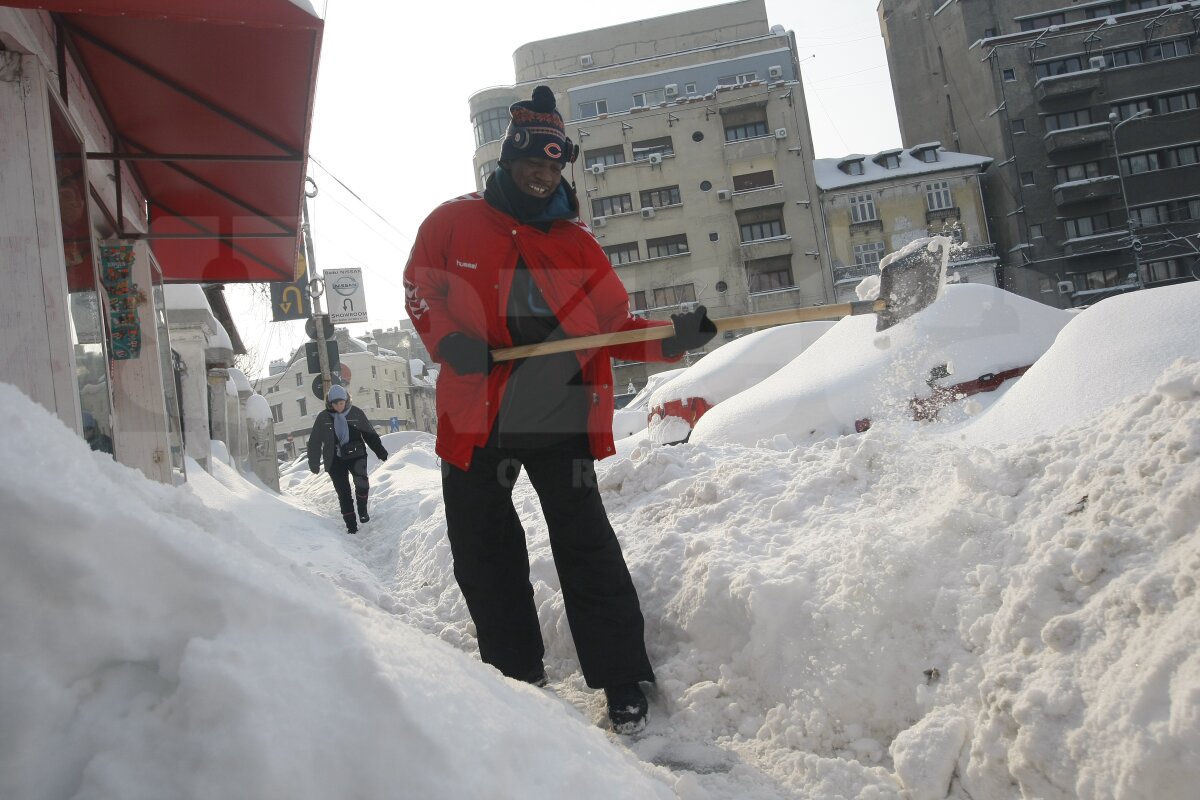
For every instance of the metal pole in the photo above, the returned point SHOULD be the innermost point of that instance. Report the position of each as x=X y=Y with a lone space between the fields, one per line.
x=318 y=325
x=1134 y=245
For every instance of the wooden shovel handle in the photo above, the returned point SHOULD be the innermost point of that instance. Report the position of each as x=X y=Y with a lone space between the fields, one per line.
x=763 y=320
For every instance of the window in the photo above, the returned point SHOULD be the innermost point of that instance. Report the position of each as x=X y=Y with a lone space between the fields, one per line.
x=851 y=167
x=1137 y=5
x=1086 y=226
x=486 y=169
x=675 y=295
x=1127 y=110
x=608 y=206
x=869 y=254
x=1183 y=156
x=1166 y=270
x=619 y=254
x=1160 y=51
x=753 y=180
x=1062 y=66
x=1142 y=162
x=767 y=229
x=1098 y=279
x=1078 y=172
x=1010 y=75
x=660 y=198
x=938 y=197
x=302 y=406
x=593 y=108
x=1181 y=101
x=1035 y=23
x=374 y=372
x=390 y=398
x=889 y=161
x=377 y=403
x=1035 y=231
x=735 y=80
x=928 y=156
x=1149 y=215
x=637 y=301
x=604 y=155
x=770 y=275
x=651 y=97
x=748 y=130
x=299 y=379
x=862 y=208
x=277 y=412
x=1045 y=284
x=1095 y=12
x=490 y=125
x=660 y=146
x=1068 y=119
x=1123 y=58
x=1027 y=179
x=1017 y=125
x=689 y=88
x=666 y=246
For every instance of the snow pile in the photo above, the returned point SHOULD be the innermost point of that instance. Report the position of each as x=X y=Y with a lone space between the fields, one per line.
x=852 y=372
x=154 y=647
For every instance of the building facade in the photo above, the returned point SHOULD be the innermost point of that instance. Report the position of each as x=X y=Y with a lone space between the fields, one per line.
x=695 y=170
x=1092 y=113
x=874 y=205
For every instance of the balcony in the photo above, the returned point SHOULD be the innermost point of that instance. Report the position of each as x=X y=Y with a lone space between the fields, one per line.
x=747 y=149
x=1056 y=86
x=767 y=248
x=973 y=254
x=1087 y=190
x=757 y=198
x=1073 y=138
x=942 y=214
x=776 y=299
x=853 y=273
x=1096 y=244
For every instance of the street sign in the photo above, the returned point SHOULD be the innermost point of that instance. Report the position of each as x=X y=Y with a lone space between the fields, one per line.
x=313 y=357
x=319 y=390
x=310 y=327
x=346 y=295
x=289 y=299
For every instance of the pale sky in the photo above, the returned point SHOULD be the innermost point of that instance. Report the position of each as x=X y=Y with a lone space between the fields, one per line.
x=392 y=120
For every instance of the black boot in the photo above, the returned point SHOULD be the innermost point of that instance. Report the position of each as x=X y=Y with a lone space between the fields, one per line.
x=351 y=525
x=627 y=708
x=364 y=517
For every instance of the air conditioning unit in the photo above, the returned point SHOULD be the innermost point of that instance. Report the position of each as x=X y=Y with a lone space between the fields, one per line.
x=596 y=169
x=671 y=89
x=724 y=194
x=654 y=158
x=781 y=133
x=647 y=213
x=585 y=60
x=1096 y=62
x=1066 y=287
x=599 y=222
x=775 y=73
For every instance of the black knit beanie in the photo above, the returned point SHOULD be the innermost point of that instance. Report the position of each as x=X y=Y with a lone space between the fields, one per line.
x=536 y=131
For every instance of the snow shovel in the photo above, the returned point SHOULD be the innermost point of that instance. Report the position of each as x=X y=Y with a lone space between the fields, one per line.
x=909 y=281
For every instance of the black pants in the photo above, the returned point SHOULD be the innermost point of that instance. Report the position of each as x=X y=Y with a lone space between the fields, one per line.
x=341 y=472
x=491 y=564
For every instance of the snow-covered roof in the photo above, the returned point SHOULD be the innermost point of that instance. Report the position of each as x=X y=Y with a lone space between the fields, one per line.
x=258 y=409
x=186 y=296
x=829 y=176
x=239 y=380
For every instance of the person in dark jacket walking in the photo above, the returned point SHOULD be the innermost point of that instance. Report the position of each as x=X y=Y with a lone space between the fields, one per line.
x=513 y=266
x=341 y=435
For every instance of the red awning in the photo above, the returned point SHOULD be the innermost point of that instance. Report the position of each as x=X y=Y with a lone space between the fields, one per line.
x=209 y=103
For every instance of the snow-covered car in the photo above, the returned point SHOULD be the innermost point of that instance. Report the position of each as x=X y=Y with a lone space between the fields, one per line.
x=633 y=416
x=675 y=407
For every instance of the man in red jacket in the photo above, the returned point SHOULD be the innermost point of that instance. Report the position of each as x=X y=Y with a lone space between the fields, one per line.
x=514 y=266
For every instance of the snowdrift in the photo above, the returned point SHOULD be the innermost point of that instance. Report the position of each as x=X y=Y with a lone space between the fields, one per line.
x=853 y=373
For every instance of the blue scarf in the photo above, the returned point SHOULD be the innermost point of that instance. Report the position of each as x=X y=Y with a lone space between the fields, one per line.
x=341 y=427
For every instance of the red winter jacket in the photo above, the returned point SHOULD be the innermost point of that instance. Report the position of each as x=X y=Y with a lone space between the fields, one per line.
x=458 y=278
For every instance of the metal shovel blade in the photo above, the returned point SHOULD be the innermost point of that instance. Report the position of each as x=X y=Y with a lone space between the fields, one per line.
x=912 y=280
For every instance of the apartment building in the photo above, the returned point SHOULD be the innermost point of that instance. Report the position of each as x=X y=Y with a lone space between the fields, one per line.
x=1092 y=113
x=696 y=166
x=874 y=205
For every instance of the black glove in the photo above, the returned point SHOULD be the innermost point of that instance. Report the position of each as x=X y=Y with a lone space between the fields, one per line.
x=314 y=470
x=465 y=354
x=692 y=329
x=383 y=456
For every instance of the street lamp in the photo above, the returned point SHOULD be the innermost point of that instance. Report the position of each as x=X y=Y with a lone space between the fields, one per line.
x=1115 y=122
